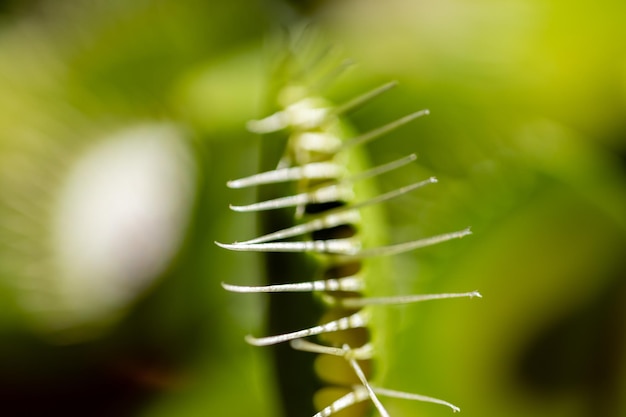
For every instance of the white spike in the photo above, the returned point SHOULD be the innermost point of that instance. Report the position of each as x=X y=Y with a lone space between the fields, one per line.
x=358 y=395
x=374 y=134
x=364 y=98
x=359 y=372
x=348 y=246
x=381 y=169
x=302 y=115
x=328 y=220
x=409 y=246
x=402 y=299
x=306 y=346
x=391 y=194
x=335 y=192
x=317 y=170
x=415 y=397
x=356 y=320
x=364 y=352
x=352 y=283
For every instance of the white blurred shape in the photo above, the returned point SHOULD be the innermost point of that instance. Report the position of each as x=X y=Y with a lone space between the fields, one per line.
x=120 y=219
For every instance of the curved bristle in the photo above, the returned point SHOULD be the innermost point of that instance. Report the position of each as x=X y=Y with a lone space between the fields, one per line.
x=358 y=395
x=415 y=244
x=415 y=397
x=344 y=284
x=354 y=321
x=313 y=171
x=364 y=98
x=403 y=299
x=359 y=372
x=376 y=133
x=335 y=192
x=348 y=247
x=361 y=353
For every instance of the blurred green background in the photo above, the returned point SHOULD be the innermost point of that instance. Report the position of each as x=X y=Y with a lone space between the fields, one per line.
x=121 y=121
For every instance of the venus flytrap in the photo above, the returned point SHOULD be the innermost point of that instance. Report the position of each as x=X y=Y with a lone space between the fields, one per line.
x=314 y=182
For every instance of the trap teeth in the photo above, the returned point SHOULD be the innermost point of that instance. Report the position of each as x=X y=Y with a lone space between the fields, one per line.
x=323 y=204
